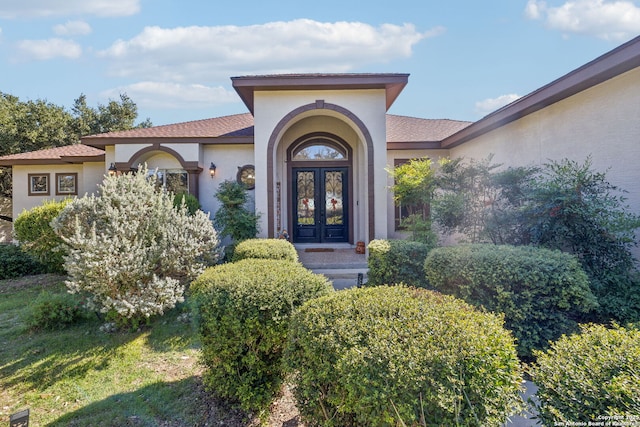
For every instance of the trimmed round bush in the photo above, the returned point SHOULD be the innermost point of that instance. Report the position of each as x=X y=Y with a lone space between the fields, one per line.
x=543 y=293
x=36 y=236
x=16 y=263
x=265 y=249
x=56 y=311
x=394 y=355
x=397 y=261
x=242 y=310
x=588 y=376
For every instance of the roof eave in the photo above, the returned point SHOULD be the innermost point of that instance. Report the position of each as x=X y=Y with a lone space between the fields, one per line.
x=618 y=61
x=103 y=142
x=65 y=160
x=246 y=86
x=413 y=145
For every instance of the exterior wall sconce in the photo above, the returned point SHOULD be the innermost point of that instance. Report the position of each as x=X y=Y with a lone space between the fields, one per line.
x=212 y=170
x=112 y=170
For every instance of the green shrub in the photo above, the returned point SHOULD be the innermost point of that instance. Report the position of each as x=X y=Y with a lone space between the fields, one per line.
x=16 y=263
x=397 y=261
x=588 y=376
x=234 y=218
x=541 y=292
x=56 y=311
x=386 y=356
x=191 y=202
x=242 y=310
x=33 y=231
x=265 y=249
x=574 y=208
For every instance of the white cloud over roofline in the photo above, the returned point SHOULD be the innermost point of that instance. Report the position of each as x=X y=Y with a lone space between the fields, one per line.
x=617 y=20
x=153 y=94
x=490 y=105
x=198 y=53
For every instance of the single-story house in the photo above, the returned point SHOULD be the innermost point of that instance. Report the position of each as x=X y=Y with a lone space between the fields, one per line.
x=314 y=148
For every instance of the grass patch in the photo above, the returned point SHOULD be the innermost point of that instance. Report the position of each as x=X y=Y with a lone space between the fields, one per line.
x=80 y=376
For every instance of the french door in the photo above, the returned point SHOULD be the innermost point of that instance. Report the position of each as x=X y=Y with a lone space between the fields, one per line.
x=320 y=205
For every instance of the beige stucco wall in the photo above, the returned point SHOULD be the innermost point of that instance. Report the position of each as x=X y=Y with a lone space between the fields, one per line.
x=603 y=122
x=124 y=152
x=92 y=174
x=368 y=105
x=89 y=175
x=227 y=158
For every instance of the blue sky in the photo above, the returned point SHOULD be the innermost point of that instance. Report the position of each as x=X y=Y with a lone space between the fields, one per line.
x=174 y=59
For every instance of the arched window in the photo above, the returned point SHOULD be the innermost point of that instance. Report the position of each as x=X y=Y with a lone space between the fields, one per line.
x=319 y=149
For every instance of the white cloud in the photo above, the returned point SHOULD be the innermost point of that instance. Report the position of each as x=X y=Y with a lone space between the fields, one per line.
x=610 y=20
x=490 y=105
x=12 y=9
x=533 y=8
x=303 y=45
x=49 y=49
x=151 y=94
x=71 y=28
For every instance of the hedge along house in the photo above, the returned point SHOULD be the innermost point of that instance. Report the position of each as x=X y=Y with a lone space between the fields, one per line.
x=314 y=148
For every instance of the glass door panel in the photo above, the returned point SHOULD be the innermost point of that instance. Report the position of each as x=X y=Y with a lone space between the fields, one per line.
x=320 y=205
x=305 y=197
x=333 y=198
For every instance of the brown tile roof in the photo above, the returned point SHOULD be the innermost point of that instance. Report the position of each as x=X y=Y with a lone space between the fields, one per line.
x=411 y=129
x=75 y=153
x=238 y=125
x=402 y=133
x=399 y=129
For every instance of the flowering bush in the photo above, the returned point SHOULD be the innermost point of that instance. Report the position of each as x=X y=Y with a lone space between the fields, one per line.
x=131 y=249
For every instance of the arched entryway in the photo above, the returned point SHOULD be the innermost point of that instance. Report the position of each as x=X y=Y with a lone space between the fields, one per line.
x=300 y=121
x=320 y=186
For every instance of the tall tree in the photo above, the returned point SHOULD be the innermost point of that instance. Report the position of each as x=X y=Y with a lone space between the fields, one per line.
x=35 y=125
x=111 y=117
x=29 y=126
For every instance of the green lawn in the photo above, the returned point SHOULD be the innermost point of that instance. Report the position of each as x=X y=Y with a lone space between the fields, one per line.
x=80 y=376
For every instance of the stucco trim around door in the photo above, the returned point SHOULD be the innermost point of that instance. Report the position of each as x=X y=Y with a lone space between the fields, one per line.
x=273 y=139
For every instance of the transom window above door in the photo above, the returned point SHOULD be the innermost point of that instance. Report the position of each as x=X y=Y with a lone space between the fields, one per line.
x=319 y=149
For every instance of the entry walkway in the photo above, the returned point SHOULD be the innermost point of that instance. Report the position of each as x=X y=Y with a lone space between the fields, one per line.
x=339 y=263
